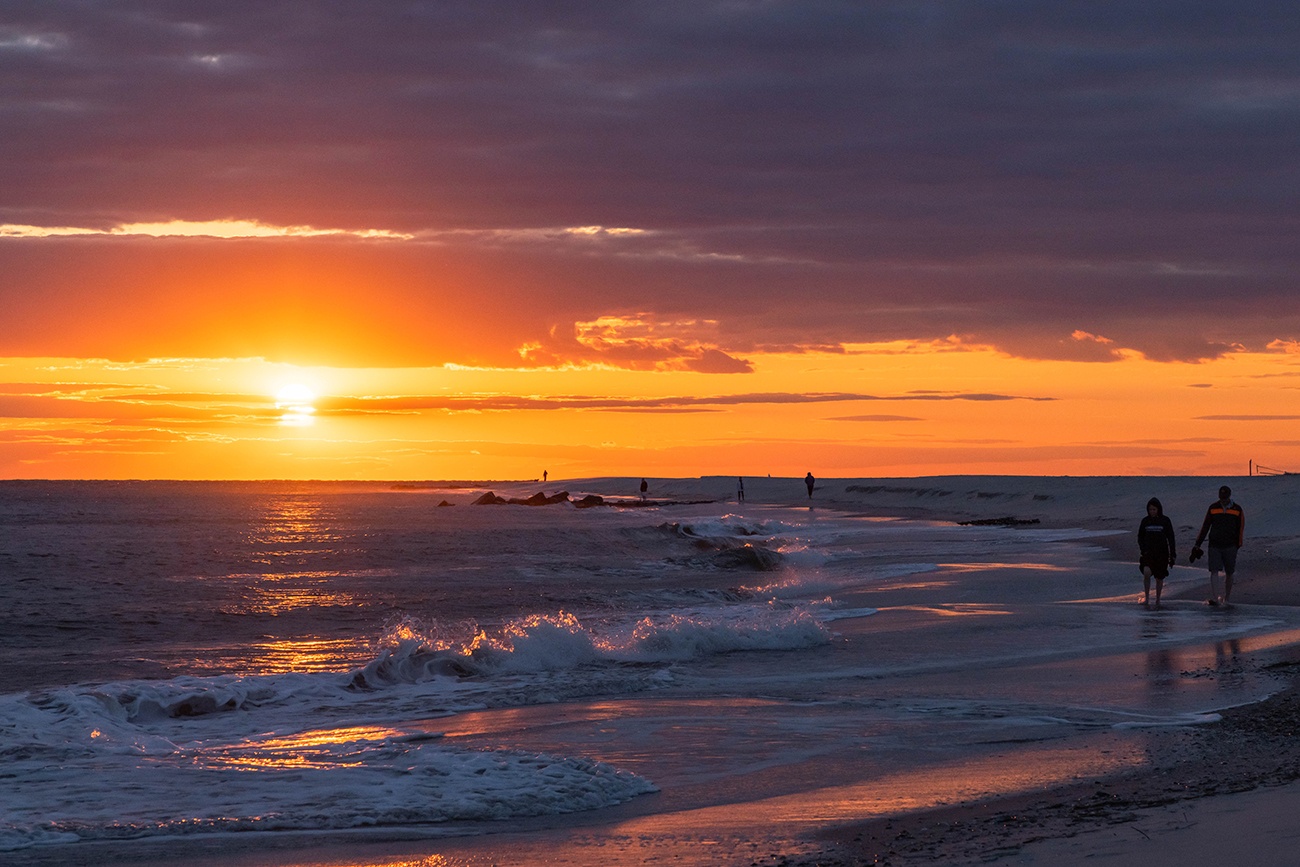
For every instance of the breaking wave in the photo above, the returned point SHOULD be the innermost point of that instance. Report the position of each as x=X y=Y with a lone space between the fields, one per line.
x=226 y=753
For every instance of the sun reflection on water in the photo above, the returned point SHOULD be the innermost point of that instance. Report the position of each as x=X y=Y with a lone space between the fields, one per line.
x=984 y=567
x=278 y=593
x=305 y=655
x=320 y=748
x=958 y=609
x=295 y=526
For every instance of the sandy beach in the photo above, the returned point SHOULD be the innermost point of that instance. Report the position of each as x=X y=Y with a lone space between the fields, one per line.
x=1209 y=793
x=1186 y=794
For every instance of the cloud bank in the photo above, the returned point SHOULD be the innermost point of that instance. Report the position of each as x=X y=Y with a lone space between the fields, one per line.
x=1058 y=180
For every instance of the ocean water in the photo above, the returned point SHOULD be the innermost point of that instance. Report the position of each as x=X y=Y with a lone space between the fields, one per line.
x=196 y=661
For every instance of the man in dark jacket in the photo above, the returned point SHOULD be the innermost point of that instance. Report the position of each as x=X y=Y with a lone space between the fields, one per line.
x=1225 y=527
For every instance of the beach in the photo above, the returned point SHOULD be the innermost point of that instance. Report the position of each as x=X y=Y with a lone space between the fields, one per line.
x=959 y=672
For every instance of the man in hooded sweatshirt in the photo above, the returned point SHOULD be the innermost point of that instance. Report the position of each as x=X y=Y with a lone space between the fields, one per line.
x=1225 y=527
x=1156 y=544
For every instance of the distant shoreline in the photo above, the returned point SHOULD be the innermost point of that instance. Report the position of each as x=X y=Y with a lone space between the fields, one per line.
x=464 y=483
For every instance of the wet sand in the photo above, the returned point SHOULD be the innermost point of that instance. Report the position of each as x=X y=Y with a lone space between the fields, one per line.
x=1252 y=749
x=1189 y=801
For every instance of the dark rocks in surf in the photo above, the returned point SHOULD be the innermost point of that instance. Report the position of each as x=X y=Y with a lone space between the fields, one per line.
x=540 y=499
x=587 y=502
x=890 y=489
x=687 y=531
x=725 y=552
x=1000 y=521
x=444 y=503
x=748 y=557
x=537 y=499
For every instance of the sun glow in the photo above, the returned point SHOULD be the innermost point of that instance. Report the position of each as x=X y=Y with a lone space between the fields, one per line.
x=879 y=410
x=295 y=404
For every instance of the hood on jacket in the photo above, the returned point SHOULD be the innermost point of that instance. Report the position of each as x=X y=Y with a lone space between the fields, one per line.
x=1160 y=510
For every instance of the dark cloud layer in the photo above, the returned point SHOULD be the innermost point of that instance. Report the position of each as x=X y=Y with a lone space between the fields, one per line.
x=807 y=172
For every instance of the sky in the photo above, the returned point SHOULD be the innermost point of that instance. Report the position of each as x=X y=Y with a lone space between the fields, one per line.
x=437 y=240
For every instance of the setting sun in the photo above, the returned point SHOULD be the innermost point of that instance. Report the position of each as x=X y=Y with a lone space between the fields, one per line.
x=295 y=403
x=295 y=394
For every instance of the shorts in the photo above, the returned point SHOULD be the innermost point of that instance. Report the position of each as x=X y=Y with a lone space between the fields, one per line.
x=1159 y=566
x=1222 y=560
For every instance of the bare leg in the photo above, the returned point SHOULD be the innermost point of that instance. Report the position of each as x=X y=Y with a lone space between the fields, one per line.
x=1146 y=586
x=1214 y=587
x=1227 y=586
x=1160 y=586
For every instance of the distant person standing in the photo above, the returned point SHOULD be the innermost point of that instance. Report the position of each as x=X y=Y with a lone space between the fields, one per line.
x=810 y=482
x=740 y=489
x=1156 y=545
x=644 y=487
x=543 y=476
x=1224 y=528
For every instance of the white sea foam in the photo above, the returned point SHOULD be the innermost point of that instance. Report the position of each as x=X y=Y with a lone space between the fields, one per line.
x=681 y=636
x=315 y=780
x=562 y=642
x=801 y=584
x=197 y=745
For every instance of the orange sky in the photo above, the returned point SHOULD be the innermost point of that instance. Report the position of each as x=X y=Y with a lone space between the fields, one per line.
x=675 y=240
x=876 y=410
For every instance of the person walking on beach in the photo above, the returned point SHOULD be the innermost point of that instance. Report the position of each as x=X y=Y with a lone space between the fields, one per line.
x=1156 y=545
x=740 y=489
x=810 y=482
x=644 y=487
x=1224 y=528
x=544 y=474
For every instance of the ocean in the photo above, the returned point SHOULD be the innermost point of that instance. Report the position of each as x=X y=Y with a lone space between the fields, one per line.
x=237 y=663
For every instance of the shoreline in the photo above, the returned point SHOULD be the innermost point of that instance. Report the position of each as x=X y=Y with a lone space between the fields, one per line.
x=1251 y=748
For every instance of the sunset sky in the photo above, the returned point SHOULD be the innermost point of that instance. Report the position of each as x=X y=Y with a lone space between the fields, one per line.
x=428 y=240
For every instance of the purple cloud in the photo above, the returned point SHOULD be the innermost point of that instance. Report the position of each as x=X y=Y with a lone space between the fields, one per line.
x=804 y=173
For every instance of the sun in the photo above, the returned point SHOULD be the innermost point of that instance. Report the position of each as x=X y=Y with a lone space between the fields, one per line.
x=295 y=404
x=294 y=394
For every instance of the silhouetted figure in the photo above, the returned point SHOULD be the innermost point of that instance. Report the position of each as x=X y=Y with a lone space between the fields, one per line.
x=543 y=475
x=811 y=483
x=1225 y=524
x=644 y=487
x=1156 y=546
x=740 y=490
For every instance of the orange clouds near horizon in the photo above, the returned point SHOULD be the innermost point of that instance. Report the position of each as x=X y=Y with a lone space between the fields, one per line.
x=925 y=410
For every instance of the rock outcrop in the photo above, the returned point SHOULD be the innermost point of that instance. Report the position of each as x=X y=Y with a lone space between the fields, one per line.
x=537 y=499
